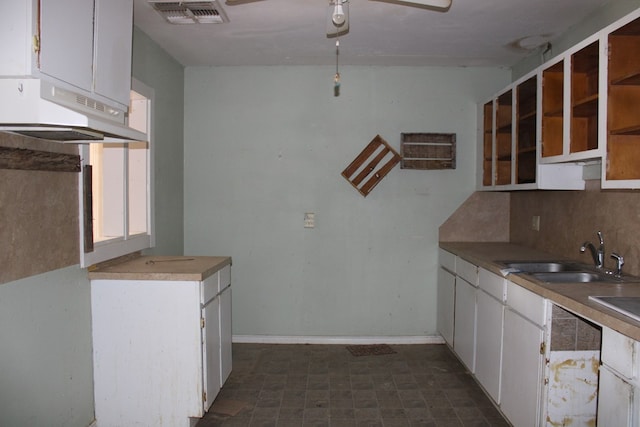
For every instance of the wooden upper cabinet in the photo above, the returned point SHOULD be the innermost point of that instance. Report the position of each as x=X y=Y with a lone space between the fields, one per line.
x=487 y=145
x=623 y=106
x=526 y=131
x=584 y=98
x=504 y=138
x=552 y=109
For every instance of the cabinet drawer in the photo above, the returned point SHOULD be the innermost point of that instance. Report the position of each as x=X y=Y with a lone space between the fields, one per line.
x=210 y=287
x=493 y=284
x=447 y=260
x=467 y=271
x=619 y=352
x=531 y=306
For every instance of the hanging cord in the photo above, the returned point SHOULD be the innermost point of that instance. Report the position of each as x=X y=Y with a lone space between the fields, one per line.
x=336 y=78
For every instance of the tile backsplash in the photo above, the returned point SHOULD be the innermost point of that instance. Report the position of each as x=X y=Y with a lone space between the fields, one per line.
x=569 y=218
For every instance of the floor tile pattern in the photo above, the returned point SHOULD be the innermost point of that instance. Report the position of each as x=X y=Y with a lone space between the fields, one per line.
x=325 y=385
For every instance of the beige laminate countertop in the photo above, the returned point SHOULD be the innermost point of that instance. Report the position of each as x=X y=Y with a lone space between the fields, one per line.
x=572 y=296
x=178 y=268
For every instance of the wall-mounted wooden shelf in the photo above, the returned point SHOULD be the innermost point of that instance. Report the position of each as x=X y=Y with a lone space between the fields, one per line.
x=428 y=151
x=371 y=165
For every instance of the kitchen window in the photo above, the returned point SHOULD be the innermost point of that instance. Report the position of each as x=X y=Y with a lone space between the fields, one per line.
x=120 y=177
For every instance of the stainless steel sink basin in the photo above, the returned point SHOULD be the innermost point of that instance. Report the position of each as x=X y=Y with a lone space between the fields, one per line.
x=574 y=277
x=541 y=266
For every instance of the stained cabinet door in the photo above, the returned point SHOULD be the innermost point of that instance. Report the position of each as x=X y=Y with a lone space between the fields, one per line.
x=615 y=400
x=521 y=370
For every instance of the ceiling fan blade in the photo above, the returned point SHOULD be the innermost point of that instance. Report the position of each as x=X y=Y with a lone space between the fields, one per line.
x=439 y=5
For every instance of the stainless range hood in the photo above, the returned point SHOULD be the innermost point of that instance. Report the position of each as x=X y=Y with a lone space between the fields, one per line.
x=36 y=108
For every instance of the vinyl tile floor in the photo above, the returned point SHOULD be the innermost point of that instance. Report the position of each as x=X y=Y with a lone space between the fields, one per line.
x=325 y=385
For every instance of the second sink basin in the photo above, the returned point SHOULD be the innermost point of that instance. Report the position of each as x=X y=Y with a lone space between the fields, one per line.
x=541 y=266
x=573 y=277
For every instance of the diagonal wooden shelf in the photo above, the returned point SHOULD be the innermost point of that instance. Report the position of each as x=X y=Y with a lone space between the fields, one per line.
x=371 y=165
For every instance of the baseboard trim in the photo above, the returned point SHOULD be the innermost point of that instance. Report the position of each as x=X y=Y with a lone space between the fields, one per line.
x=282 y=339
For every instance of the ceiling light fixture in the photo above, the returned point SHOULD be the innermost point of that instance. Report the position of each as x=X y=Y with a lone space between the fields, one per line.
x=337 y=18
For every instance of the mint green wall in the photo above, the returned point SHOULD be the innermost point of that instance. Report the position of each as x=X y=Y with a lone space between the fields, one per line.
x=156 y=68
x=264 y=145
x=46 y=375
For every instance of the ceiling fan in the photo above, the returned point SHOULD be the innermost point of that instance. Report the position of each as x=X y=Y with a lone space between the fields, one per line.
x=338 y=12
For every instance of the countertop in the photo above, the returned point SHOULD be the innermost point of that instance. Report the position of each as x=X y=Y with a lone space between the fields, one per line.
x=178 y=268
x=572 y=296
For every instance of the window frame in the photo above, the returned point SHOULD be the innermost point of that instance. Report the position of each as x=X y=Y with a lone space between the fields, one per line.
x=126 y=244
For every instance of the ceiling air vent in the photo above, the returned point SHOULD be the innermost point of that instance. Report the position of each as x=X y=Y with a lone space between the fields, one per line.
x=190 y=12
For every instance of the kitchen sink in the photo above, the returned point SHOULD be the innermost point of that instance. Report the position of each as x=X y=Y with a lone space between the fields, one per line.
x=541 y=266
x=574 y=277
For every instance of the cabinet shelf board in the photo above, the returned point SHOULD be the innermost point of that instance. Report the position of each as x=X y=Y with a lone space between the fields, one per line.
x=527 y=115
x=631 y=130
x=556 y=112
x=585 y=107
x=631 y=79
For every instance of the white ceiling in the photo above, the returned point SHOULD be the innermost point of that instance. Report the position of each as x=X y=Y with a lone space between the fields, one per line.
x=292 y=32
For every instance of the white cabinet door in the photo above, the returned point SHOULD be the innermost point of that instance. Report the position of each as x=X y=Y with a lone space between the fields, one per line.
x=521 y=370
x=615 y=400
x=66 y=41
x=446 y=301
x=211 y=350
x=489 y=343
x=225 y=335
x=113 y=32
x=464 y=339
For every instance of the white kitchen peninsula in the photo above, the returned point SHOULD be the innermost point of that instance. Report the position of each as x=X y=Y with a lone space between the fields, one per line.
x=161 y=339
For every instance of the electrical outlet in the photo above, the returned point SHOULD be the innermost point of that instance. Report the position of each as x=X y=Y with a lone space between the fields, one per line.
x=535 y=223
x=309 y=220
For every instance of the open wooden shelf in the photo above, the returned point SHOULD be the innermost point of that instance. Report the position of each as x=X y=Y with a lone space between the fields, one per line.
x=586 y=107
x=631 y=79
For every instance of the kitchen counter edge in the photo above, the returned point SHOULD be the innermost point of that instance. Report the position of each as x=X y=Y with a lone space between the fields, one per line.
x=169 y=268
x=571 y=296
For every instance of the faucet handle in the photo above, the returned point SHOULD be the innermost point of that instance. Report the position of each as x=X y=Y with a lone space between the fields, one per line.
x=600 y=238
x=619 y=263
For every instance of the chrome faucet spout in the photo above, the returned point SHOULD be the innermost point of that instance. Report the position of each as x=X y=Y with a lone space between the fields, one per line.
x=596 y=253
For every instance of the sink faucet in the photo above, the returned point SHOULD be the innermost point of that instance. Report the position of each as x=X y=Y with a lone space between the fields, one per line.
x=596 y=253
x=619 y=263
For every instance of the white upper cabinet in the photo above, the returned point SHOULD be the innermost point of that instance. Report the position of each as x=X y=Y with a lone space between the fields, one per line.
x=587 y=102
x=571 y=104
x=510 y=152
x=80 y=45
x=621 y=163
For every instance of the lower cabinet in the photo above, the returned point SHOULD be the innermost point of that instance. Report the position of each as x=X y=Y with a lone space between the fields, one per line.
x=446 y=304
x=157 y=349
x=619 y=386
x=521 y=370
x=489 y=332
x=464 y=334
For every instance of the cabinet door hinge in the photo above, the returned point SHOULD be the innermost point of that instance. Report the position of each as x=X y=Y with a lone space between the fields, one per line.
x=542 y=347
x=36 y=43
x=204 y=396
x=202 y=322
